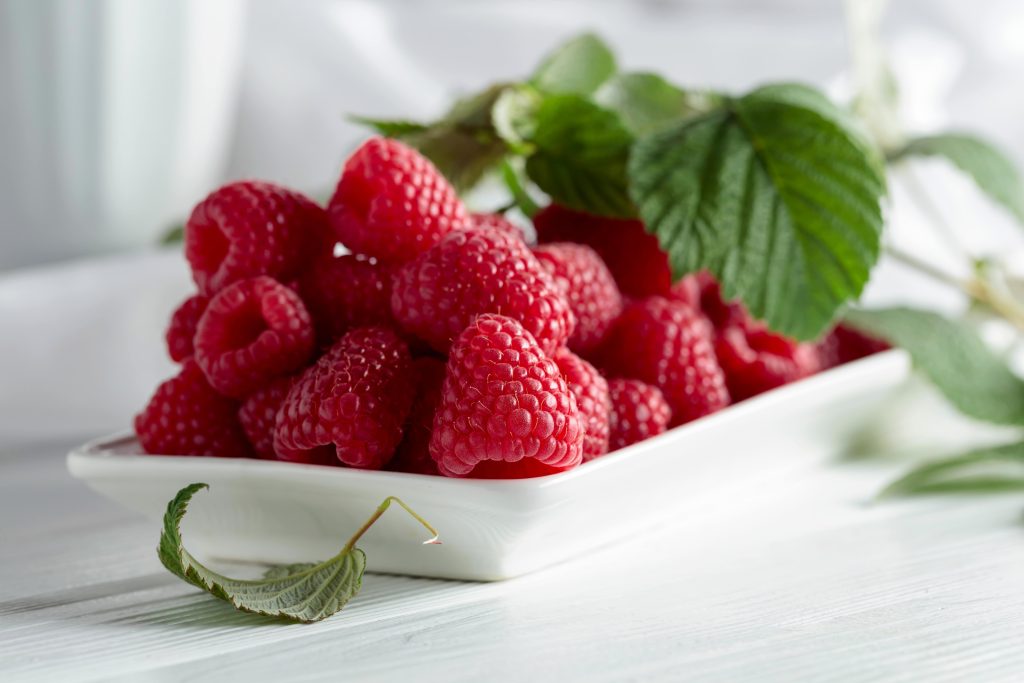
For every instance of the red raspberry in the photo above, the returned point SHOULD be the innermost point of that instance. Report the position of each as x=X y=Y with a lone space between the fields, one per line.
x=495 y=221
x=252 y=331
x=470 y=272
x=631 y=253
x=755 y=359
x=186 y=416
x=589 y=288
x=413 y=454
x=591 y=392
x=251 y=228
x=346 y=292
x=182 y=329
x=844 y=344
x=392 y=203
x=639 y=411
x=351 y=404
x=701 y=290
x=668 y=344
x=505 y=411
x=258 y=415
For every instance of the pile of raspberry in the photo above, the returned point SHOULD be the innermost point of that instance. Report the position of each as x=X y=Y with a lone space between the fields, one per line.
x=396 y=330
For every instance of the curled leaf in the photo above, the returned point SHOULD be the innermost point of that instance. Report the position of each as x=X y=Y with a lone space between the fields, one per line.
x=303 y=592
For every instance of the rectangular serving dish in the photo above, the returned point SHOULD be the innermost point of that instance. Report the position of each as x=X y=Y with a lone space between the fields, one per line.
x=277 y=512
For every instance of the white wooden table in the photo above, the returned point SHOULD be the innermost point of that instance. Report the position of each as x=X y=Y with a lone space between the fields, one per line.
x=812 y=583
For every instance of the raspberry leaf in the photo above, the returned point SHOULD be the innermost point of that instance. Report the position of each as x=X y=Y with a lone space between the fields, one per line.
x=776 y=193
x=304 y=592
x=984 y=470
x=974 y=379
x=647 y=102
x=580 y=156
x=993 y=172
x=462 y=144
x=390 y=128
x=579 y=66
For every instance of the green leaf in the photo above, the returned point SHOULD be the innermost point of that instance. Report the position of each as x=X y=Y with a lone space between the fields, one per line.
x=950 y=353
x=463 y=144
x=390 y=128
x=303 y=592
x=174 y=235
x=580 y=156
x=646 y=102
x=985 y=470
x=514 y=116
x=776 y=193
x=579 y=66
x=993 y=172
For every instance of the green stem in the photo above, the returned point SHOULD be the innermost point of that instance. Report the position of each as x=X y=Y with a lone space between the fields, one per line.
x=513 y=181
x=924 y=202
x=979 y=289
x=380 y=511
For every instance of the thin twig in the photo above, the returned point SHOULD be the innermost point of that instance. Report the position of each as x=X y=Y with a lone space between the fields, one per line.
x=924 y=202
x=976 y=288
x=928 y=269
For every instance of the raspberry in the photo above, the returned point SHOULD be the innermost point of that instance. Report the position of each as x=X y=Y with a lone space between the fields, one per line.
x=251 y=228
x=591 y=392
x=589 y=288
x=844 y=344
x=351 y=404
x=182 y=329
x=437 y=295
x=755 y=359
x=505 y=411
x=639 y=411
x=701 y=290
x=392 y=203
x=252 y=331
x=631 y=253
x=186 y=416
x=258 y=415
x=413 y=454
x=346 y=292
x=667 y=344
x=495 y=221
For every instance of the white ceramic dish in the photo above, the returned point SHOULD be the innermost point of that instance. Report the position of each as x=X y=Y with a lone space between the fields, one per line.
x=277 y=512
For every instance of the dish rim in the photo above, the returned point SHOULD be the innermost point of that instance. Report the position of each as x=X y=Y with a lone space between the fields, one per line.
x=100 y=449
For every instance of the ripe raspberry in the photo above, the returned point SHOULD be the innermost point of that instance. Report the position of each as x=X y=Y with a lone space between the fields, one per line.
x=413 y=454
x=639 y=411
x=346 y=292
x=688 y=291
x=589 y=288
x=351 y=404
x=844 y=344
x=469 y=272
x=495 y=221
x=505 y=411
x=182 y=329
x=591 y=392
x=667 y=344
x=252 y=331
x=704 y=289
x=392 y=203
x=258 y=415
x=251 y=228
x=631 y=253
x=755 y=359
x=186 y=416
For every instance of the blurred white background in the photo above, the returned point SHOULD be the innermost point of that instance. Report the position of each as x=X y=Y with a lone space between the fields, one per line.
x=118 y=115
